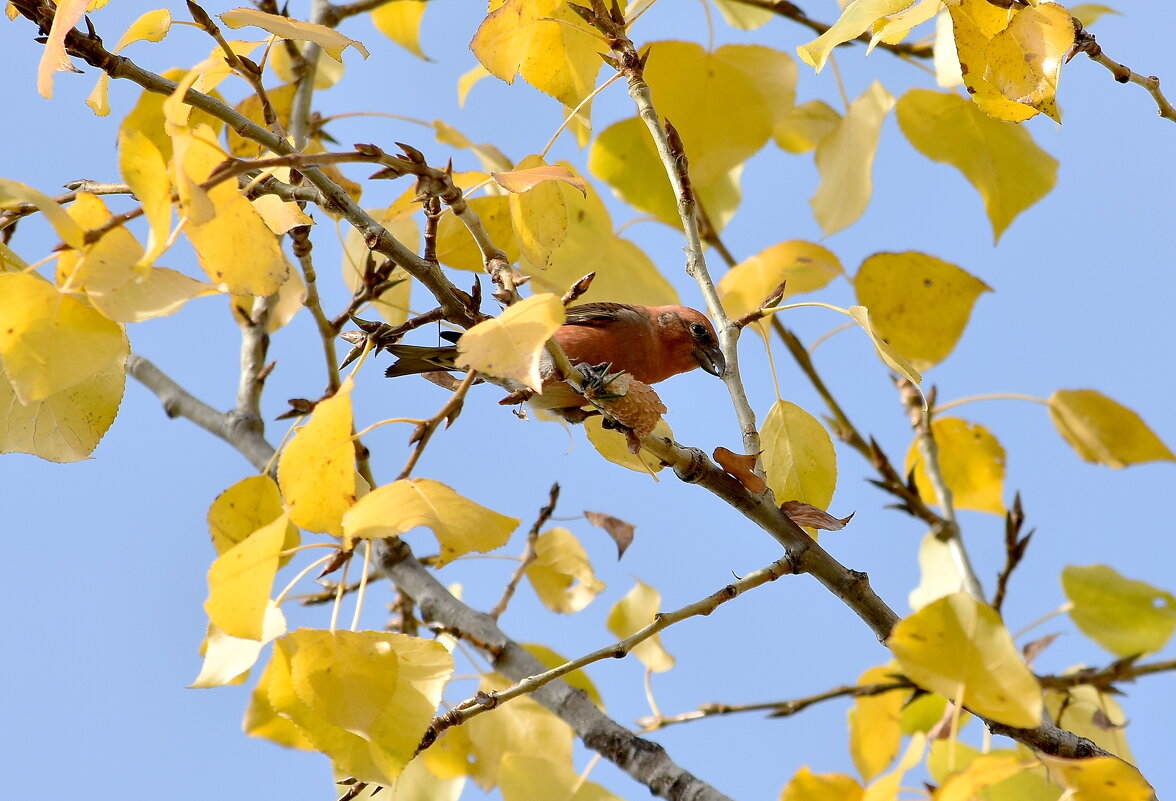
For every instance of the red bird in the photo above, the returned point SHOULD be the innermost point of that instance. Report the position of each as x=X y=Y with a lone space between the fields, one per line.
x=651 y=343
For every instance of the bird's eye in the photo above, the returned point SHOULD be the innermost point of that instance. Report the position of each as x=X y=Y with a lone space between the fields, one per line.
x=698 y=330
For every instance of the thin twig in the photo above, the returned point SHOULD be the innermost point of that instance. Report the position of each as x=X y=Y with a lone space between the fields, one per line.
x=1084 y=43
x=528 y=553
x=424 y=431
x=796 y=14
x=1015 y=546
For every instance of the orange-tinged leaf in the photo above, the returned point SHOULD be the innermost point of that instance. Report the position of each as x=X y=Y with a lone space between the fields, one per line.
x=809 y=516
x=1101 y=778
x=845 y=159
x=972 y=462
x=855 y=19
x=13 y=193
x=742 y=467
x=1104 y=431
x=976 y=23
x=1125 y=616
x=401 y=22
x=243 y=508
x=612 y=445
x=331 y=41
x=460 y=524
x=798 y=455
x=1092 y=714
x=561 y=574
x=875 y=731
x=959 y=648
x=525 y=178
x=523 y=777
x=918 y=303
x=51 y=342
x=999 y=159
x=545 y=42
x=1024 y=61
x=511 y=345
x=54 y=58
x=809 y=786
x=317 y=468
x=227 y=659
x=806 y=267
x=805 y=126
x=240 y=580
x=631 y=614
x=521 y=726
x=67 y=425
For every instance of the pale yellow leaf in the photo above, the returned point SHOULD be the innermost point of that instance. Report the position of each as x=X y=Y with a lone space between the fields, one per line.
x=943 y=54
x=460 y=524
x=742 y=16
x=561 y=574
x=939 y=570
x=227 y=658
x=526 y=777
x=875 y=732
x=240 y=581
x=150 y=27
x=511 y=345
x=845 y=159
x=327 y=71
x=538 y=212
x=612 y=445
x=804 y=127
x=982 y=772
x=13 y=193
x=578 y=678
x=401 y=22
x=261 y=720
x=521 y=726
x=316 y=470
x=893 y=29
x=1089 y=13
x=808 y=786
x=157 y=294
x=918 y=303
x=467 y=81
x=806 y=267
x=887 y=786
x=798 y=456
x=631 y=614
x=1125 y=616
x=143 y=168
x=1092 y=714
x=890 y=357
x=959 y=648
x=417 y=783
x=854 y=20
x=53 y=58
x=1100 y=778
x=331 y=41
x=971 y=461
x=280 y=215
x=1104 y=431
x=455 y=244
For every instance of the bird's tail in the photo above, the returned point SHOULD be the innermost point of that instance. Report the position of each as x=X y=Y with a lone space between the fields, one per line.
x=412 y=359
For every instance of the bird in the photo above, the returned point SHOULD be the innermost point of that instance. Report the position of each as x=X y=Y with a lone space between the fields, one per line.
x=650 y=343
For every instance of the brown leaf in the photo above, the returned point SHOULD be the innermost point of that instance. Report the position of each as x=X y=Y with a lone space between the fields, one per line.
x=742 y=467
x=337 y=560
x=1033 y=649
x=805 y=514
x=1101 y=720
x=619 y=530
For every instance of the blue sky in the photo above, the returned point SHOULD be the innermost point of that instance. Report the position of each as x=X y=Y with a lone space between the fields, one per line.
x=110 y=554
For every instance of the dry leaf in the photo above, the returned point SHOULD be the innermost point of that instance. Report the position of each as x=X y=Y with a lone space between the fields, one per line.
x=620 y=531
x=1033 y=650
x=742 y=467
x=805 y=514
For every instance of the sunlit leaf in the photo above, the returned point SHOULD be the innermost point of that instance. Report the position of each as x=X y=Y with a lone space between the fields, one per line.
x=1104 y=431
x=53 y=58
x=243 y=508
x=976 y=23
x=561 y=574
x=858 y=16
x=939 y=570
x=612 y=445
x=1125 y=616
x=982 y=772
x=893 y=29
x=971 y=461
x=809 y=786
x=959 y=648
x=805 y=126
x=634 y=612
x=401 y=22
x=806 y=267
x=240 y=580
x=845 y=159
x=887 y=353
x=1092 y=714
x=1024 y=61
x=13 y=193
x=143 y=168
x=520 y=726
x=227 y=659
x=331 y=41
x=460 y=524
x=798 y=456
x=512 y=345
x=523 y=777
x=1089 y=13
x=875 y=733
x=1100 y=778
x=327 y=71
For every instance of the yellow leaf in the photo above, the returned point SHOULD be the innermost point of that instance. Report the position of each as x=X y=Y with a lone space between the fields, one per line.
x=67 y=425
x=417 y=782
x=887 y=786
x=51 y=342
x=393 y=303
x=893 y=29
x=261 y=720
x=889 y=356
x=1092 y=714
x=700 y=92
x=1024 y=61
x=466 y=82
x=545 y=42
x=512 y=344
x=804 y=127
x=972 y=462
x=561 y=574
x=401 y=22
x=855 y=19
x=327 y=71
x=1125 y=616
x=281 y=99
x=245 y=507
x=982 y=772
x=149 y=27
x=809 y=786
x=577 y=679
x=918 y=303
x=227 y=659
x=538 y=213
x=976 y=23
x=1104 y=431
x=1099 y=779
x=54 y=58
x=489 y=155
x=523 y=777
x=460 y=524
x=105 y=264
x=798 y=456
x=147 y=117
x=521 y=726
x=631 y=614
x=1088 y=13
x=925 y=713
x=625 y=157
x=743 y=17
x=143 y=168
x=966 y=774
x=805 y=266
x=233 y=245
x=13 y=193
x=331 y=41
x=959 y=648
x=939 y=570
x=613 y=446
x=317 y=468
x=875 y=732
x=532 y=171
x=455 y=244
x=450 y=756
x=772 y=72
x=1000 y=160
x=845 y=159
x=240 y=580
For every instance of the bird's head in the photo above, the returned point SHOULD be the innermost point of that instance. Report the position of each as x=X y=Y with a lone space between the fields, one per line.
x=694 y=333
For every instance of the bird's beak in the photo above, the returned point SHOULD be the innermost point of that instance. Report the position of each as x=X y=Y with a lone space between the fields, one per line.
x=710 y=358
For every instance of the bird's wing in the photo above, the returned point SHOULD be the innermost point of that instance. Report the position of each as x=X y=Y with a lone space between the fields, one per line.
x=598 y=314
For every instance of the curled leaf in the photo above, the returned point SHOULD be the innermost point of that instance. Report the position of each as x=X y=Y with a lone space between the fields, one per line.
x=805 y=514
x=620 y=531
x=742 y=467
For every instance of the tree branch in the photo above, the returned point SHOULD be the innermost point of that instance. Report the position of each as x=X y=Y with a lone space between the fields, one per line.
x=1084 y=43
